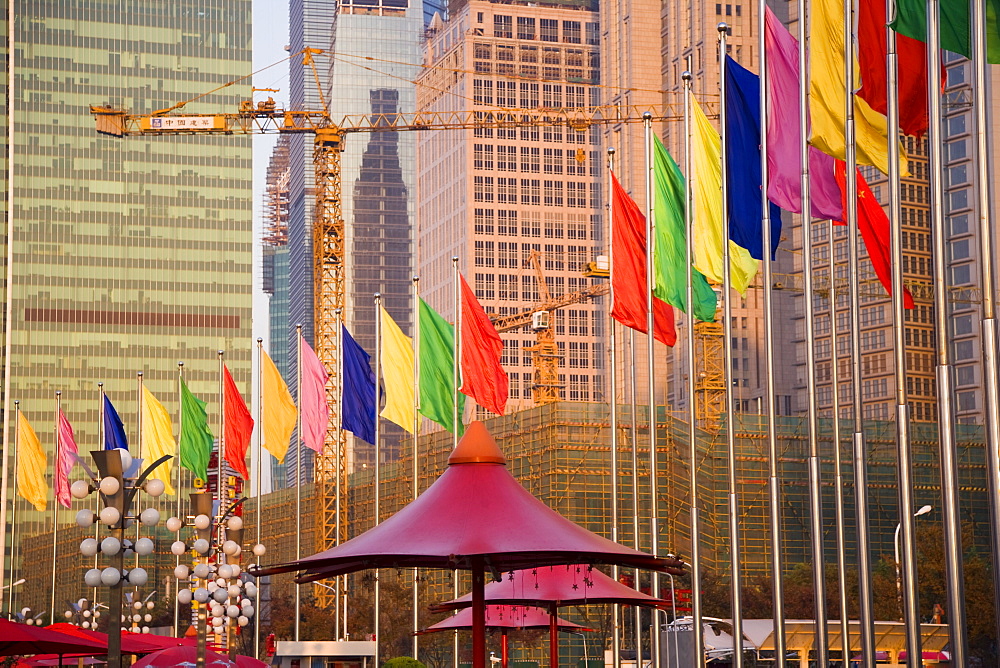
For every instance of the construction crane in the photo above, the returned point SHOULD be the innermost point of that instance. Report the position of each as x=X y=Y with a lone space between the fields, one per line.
x=266 y=117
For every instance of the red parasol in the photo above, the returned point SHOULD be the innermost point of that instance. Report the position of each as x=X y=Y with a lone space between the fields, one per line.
x=243 y=661
x=182 y=657
x=476 y=516
x=18 y=639
x=130 y=645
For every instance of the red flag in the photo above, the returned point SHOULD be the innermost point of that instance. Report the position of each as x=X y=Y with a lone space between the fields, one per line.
x=628 y=270
x=239 y=426
x=65 y=460
x=483 y=378
x=912 y=69
x=874 y=227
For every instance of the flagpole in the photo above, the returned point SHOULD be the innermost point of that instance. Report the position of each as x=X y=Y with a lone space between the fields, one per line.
x=866 y=605
x=991 y=374
x=695 y=521
x=908 y=568
x=616 y=622
x=378 y=455
x=177 y=534
x=727 y=325
x=415 y=319
x=457 y=354
x=260 y=466
x=97 y=526
x=13 y=514
x=341 y=580
x=951 y=513
x=218 y=459
x=298 y=474
x=654 y=515
x=55 y=514
x=636 y=544
x=139 y=379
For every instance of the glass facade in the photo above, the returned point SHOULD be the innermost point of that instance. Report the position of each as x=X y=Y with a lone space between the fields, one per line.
x=127 y=255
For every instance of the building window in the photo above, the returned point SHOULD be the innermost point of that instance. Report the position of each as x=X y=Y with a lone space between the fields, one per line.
x=964 y=350
x=484 y=286
x=593 y=34
x=958 y=199
x=961 y=274
x=956 y=150
x=549 y=30
x=529 y=95
x=965 y=375
x=483 y=221
x=966 y=401
x=961 y=324
x=503 y=26
x=572 y=32
x=485 y=257
x=531 y=191
x=482 y=91
x=552 y=160
x=482 y=188
x=525 y=28
x=482 y=156
x=531 y=159
x=552 y=194
x=955 y=126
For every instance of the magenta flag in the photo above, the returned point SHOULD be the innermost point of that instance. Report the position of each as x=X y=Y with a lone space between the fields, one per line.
x=784 y=164
x=65 y=459
x=312 y=404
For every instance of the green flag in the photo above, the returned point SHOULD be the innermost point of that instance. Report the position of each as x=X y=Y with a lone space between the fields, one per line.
x=670 y=249
x=956 y=31
x=196 y=437
x=437 y=368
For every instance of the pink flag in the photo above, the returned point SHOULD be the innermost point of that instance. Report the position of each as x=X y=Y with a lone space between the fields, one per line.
x=65 y=460
x=312 y=404
x=784 y=164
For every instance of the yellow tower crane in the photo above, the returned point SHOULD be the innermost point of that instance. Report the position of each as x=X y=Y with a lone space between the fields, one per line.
x=266 y=117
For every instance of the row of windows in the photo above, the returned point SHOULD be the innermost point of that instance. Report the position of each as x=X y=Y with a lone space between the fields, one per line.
x=575 y=387
x=536 y=192
x=547 y=55
x=545 y=30
x=546 y=72
x=505 y=255
x=535 y=160
x=529 y=132
x=528 y=95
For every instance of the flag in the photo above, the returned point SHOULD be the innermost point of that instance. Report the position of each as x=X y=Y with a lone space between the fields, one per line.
x=30 y=465
x=955 y=23
x=114 y=430
x=874 y=227
x=312 y=401
x=157 y=438
x=706 y=177
x=670 y=266
x=238 y=425
x=278 y=409
x=784 y=154
x=743 y=182
x=196 y=437
x=828 y=95
x=437 y=369
x=629 y=289
x=397 y=373
x=483 y=378
x=357 y=390
x=65 y=460
x=911 y=73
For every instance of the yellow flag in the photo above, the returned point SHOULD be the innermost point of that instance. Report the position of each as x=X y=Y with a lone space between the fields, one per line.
x=706 y=179
x=157 y=438
x=397 y=373
x=31 y=464
x=279 y=412
x=828 y=95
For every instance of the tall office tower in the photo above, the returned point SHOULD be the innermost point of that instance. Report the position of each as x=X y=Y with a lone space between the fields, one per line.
x=690 y=42
x=521 y=207
x=124 y=255
x=275 y=270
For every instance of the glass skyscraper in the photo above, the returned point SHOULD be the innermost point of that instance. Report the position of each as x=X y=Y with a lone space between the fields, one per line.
x=124 y=255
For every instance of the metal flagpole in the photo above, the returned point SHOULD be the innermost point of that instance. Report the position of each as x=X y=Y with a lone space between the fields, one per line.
x=55 y=515
x=415 y=319
x=13 y=513
x=139 y=402
x=867 y=616
x=457 y=354
x=991 y=374
x=616 y=618
x=260 y=466
x=636 y=543
x=697 y=627
x=654 y=515
x=298 y=474
x=177 y=534
x=378 y=456
x=340 y=633
x=727 y=288
x=12 y=90
x=951 y=514
x=821 y=641
x=908 y=569
x=100 y=438
x=218 y=466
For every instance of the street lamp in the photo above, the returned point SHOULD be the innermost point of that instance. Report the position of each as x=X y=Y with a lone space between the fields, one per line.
x=83 y=613
x=899 y=578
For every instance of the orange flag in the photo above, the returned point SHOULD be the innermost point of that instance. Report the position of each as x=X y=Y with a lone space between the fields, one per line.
x=239 y=426
x=483 y=378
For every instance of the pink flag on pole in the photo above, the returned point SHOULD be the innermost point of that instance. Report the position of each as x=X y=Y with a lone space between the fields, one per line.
x=312 y=403
x=65 y=460
x=784 y=164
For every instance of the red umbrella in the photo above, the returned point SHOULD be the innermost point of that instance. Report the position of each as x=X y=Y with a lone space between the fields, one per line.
x=130 y=645
x=506 y=617
x=57 y=660
x=18 y=639
x=182 y=657
x=555 y=587
x=476 y=516
x=243 y=661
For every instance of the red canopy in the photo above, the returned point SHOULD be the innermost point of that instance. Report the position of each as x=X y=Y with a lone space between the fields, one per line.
x=475 y=509
x=557 y=586
x=504 y=617
x=18 y=639
x=130 y=644
x=175 y=657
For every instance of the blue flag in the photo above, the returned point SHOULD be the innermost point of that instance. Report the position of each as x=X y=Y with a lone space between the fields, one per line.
x=114 y=430
x=357 y=390
x=743 y=180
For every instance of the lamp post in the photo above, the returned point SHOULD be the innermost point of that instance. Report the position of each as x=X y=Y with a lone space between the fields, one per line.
x=133 y=614
x=899 y=578
x=118 y=484
x=83 y=613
